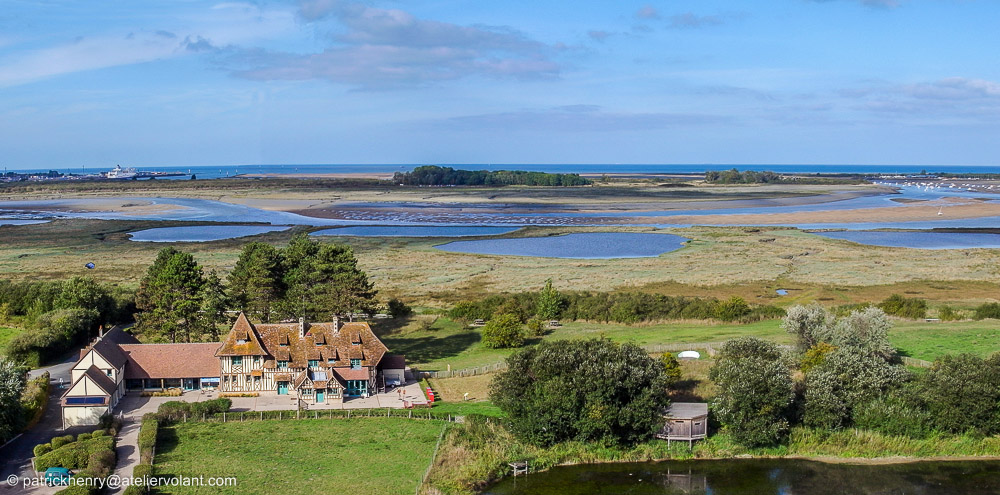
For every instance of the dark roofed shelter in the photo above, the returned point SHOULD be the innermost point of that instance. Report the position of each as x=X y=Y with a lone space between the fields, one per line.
x=686 y=421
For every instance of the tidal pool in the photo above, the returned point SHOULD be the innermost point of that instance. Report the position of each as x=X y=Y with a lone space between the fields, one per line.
x=202 y=233
x=415 y=231
x=759 y=477
x=918 y=240
x=588 y=245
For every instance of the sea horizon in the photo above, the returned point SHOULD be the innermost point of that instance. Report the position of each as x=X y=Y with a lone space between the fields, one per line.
x=223 y=171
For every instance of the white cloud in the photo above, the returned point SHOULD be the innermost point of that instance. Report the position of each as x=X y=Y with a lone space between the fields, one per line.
x=390 y=48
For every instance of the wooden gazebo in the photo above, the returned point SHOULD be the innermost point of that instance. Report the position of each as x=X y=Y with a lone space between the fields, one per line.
x=685 y=421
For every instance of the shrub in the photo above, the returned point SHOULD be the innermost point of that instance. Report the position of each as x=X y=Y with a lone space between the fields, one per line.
x=947 y=313
x=755 y=391
x=398 y=309
x=672 y=368
x=42 y=449
x=135 y=489
x=142 y=470
x=988 y=310
x=83 y=436
x=962 y=394
x=621 y=403
x=58 y=442
x=77 y=490
x=34 y=398
x=98 y=434
x=732 y=309
x=101 y=463
x=904 y=307
x=75 y=455
x=503 y=331
x=147 y=438
x=894 y=414
x=536 y=327
x=815 y=355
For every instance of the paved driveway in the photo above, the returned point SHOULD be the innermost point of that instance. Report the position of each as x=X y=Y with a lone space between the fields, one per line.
x=16 y=455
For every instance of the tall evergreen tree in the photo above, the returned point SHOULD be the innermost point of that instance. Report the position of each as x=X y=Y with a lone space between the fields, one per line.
x=214 y=304
x=255 y=284
x=324 y=279
x=169 y=297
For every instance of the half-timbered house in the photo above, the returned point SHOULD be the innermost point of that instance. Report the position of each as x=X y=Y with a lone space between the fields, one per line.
x=317 y=362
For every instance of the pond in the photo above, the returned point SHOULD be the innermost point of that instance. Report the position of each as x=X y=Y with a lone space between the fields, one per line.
x=415 y=231
x=759 y=477
x=590 y=245
x=918 y=240
x=202 y=233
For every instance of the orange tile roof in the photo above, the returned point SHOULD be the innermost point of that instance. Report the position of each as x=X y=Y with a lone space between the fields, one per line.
x=352 y=340
x=195 y=360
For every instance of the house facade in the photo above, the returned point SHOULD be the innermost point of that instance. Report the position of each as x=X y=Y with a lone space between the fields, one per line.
x=319 y=363
x=316 y=362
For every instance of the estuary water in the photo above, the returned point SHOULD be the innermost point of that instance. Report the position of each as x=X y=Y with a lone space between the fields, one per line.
x=201 y=233
x=415 y=231
x=918 y=240
x=589 y=245
x=758 y=477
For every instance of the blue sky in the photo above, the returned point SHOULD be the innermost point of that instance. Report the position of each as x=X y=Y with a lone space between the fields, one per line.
x=187 y=82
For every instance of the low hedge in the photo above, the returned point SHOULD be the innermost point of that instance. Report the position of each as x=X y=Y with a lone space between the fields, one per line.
x=58 y=442
x=34 y=399
x=147 y=437
x=142 y=471
x=178 y=410
x=42 y=449
x=84 y=436
x=76 y=455
x=77 y=490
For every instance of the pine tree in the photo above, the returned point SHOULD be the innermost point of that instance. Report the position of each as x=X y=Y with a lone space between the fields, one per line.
x=169 y=297
x=255 y=284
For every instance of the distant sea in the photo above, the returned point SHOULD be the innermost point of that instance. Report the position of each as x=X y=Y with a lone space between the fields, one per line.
x=221 y=171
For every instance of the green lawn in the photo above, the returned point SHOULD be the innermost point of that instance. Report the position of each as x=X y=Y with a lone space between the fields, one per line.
x=447 y=342
x=928 y=341
x=7 y=333
x=363 y=456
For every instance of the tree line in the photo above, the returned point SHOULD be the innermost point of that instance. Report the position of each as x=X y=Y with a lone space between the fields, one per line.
x=618 y=307
x=433 y=175
x=59 y=316
x=734 y=176
x=179 y=301
x=844 y=373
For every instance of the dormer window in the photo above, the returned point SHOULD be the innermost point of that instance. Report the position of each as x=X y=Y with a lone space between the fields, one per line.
x=283 y=344
x=241 y=341
x=110 y=372
x=355 y=364
x=313 y=363
x=282 y=365
x=331 y=361
x=237 y=360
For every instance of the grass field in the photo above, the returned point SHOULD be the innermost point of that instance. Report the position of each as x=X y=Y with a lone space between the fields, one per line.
x=718 y=262
x=364 y=456
x=7 y=333
x=928 y=341
x=447 y=342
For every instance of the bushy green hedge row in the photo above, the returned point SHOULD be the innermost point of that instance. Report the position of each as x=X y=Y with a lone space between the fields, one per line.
x=147 y=438
x=178 y=410
x=619 y=307
x=78 y=454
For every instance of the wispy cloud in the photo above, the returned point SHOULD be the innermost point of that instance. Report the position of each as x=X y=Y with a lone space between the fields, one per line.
x=647 y=12
x=380 y=49
x=947 y=100
x=221 y=26
x=575 y=118
x=877 y=4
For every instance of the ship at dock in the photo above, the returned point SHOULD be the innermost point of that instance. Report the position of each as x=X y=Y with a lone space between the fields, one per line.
x=131 y=173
